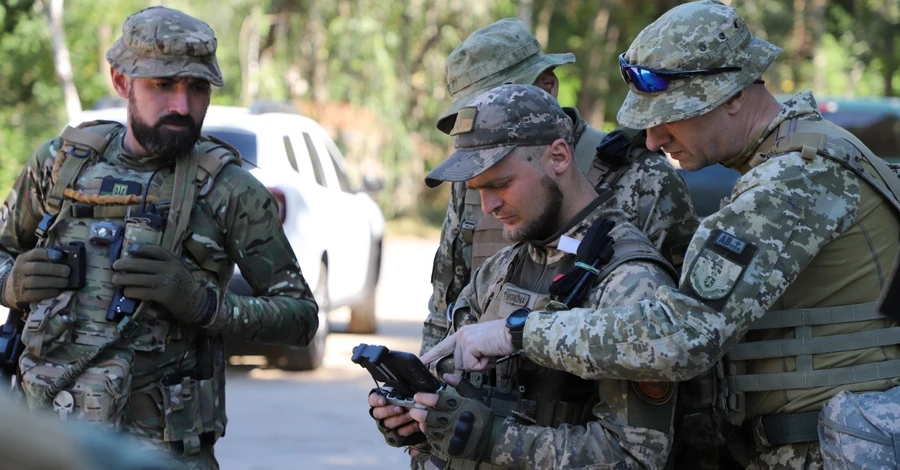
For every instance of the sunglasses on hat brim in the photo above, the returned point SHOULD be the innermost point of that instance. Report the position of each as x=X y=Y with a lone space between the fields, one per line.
x=649 y=80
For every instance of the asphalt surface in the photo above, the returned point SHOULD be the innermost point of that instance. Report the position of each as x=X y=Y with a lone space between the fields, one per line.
x=319 y=419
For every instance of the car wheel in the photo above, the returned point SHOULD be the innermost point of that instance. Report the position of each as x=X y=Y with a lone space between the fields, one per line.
x=362 y=315
x=310 y=357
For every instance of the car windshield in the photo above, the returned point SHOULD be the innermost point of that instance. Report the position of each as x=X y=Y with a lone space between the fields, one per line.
x=243 y=141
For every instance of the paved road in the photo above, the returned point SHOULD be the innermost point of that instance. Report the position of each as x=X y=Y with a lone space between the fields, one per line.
x=319 y=420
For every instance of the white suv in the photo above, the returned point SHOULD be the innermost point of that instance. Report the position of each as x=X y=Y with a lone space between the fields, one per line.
x=335 y=230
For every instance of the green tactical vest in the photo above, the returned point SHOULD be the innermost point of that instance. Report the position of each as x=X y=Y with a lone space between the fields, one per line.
x=829 y=338
x=90 y=206
x=533 y=394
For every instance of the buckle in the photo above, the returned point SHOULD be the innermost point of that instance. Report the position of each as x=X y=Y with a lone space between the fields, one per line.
x=44 y=225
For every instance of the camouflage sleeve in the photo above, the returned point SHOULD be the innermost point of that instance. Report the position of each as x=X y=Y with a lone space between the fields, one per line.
x=23 y=208
x=776 y=218
x=449 y=273
x=282 y=309
x=658 y=203
x=611 y=439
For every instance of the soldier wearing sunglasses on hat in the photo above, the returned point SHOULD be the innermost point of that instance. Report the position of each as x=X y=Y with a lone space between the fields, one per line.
x=782 y=282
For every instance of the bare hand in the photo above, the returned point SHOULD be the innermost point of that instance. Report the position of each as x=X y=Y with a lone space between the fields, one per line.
x=392 y=416
x=474 y=346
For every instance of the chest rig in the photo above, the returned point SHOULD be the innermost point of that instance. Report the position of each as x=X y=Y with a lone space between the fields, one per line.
x=811 y=138
x=81 y=345
x=517 y=387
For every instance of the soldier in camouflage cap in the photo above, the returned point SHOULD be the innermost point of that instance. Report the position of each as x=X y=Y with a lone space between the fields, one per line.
x=784 y=278
x=120 y=242
x=162 y=42
x=513 y=146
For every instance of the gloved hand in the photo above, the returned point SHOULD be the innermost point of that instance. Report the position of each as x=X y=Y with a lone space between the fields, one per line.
x=36 y=275
x=151 y=273
x=381 y=412
x=462 y=427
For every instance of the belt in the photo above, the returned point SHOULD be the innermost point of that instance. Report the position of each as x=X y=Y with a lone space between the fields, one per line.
x=778 y=430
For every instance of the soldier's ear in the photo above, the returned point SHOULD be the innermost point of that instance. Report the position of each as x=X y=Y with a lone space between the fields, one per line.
x=120 y=82
x=560 y=155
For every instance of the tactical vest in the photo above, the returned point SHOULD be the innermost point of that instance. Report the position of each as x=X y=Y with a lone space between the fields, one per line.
x=533 y=394
x=602 y=158
x=96 y=210
x=852 y=324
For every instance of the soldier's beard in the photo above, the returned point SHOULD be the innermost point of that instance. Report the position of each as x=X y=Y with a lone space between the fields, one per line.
x=164 y=143
x=546 y=223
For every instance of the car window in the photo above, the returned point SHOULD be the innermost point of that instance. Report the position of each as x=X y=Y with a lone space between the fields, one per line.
x=314 y=158
x=243 y=141
x=336 y=160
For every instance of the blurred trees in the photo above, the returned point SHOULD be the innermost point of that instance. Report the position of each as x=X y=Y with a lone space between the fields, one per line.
x=372 y=72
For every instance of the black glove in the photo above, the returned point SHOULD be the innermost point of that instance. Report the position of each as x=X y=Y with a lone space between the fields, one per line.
x=462 y=427
x=394 y=439
x=151 y=273
x=35 y=275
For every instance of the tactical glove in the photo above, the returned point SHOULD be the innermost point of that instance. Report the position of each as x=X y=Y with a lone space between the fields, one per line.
x=35 y=275
x=151 y=273
x=461 y=427
x=394 y=439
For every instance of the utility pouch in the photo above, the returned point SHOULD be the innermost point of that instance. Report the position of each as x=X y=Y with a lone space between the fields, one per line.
x=183 y=413
x=48 y=325
x=211 y=379
x=99 y=395
x=144 y=229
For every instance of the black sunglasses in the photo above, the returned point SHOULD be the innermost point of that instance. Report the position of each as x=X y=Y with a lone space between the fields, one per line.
x=650 y=80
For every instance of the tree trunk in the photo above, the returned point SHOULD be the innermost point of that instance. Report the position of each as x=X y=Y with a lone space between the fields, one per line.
x=526 y=13
x=542 y=28
x=890 y=58
x=61 y=61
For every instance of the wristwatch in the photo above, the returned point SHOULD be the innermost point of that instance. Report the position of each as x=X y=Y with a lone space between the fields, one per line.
x=515 y=323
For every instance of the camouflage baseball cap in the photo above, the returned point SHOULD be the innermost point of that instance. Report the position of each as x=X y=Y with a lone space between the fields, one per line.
x=693 y=36
x=162 y=42
x=499 y=53
x=495 y=123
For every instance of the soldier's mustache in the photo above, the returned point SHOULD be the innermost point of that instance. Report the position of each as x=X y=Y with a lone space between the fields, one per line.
x=176 y=120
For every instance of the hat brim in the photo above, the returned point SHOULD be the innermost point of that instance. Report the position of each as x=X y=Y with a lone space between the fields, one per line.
x=698 y=95
x=128 y=63
x=517 y=75
x=464 y=165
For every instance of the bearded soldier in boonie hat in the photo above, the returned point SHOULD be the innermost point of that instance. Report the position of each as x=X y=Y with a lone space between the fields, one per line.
x=162 y=42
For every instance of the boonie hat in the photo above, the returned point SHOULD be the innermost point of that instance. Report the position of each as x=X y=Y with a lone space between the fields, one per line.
x=694 y=36
x=499 y=53
x=162 y=42
x=495 y=123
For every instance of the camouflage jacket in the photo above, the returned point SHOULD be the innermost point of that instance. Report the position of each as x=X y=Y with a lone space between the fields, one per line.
x=650 y=192
x=236 y=221
x=626 y=430
x=784 y=212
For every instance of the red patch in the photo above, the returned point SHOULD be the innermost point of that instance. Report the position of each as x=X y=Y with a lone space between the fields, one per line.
x=655 y=393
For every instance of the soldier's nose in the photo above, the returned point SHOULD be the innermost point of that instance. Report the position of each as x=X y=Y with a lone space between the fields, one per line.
x=657 y=136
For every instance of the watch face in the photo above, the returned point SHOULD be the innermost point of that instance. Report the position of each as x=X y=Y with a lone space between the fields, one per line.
x=517 y=318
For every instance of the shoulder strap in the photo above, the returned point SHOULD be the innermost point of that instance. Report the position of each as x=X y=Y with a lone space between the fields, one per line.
x=809 y=138
x=214 y=154
x=77 y=146
x=615 y=154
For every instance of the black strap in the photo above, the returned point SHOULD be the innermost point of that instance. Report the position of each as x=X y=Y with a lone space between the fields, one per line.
x=788 y=429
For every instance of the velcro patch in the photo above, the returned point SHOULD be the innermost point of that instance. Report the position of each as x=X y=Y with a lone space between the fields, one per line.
x=465 y=120
x=116 y=187
x=655 y=393
x=514 y=297
x=719 y=266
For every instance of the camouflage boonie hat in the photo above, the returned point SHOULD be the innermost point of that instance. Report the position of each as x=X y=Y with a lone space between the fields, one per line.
x=162 y=42
x=692 y=36
x=497 y=122
x=499 y=53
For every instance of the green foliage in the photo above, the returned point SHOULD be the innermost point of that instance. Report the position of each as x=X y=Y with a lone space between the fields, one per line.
x=372 y=72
